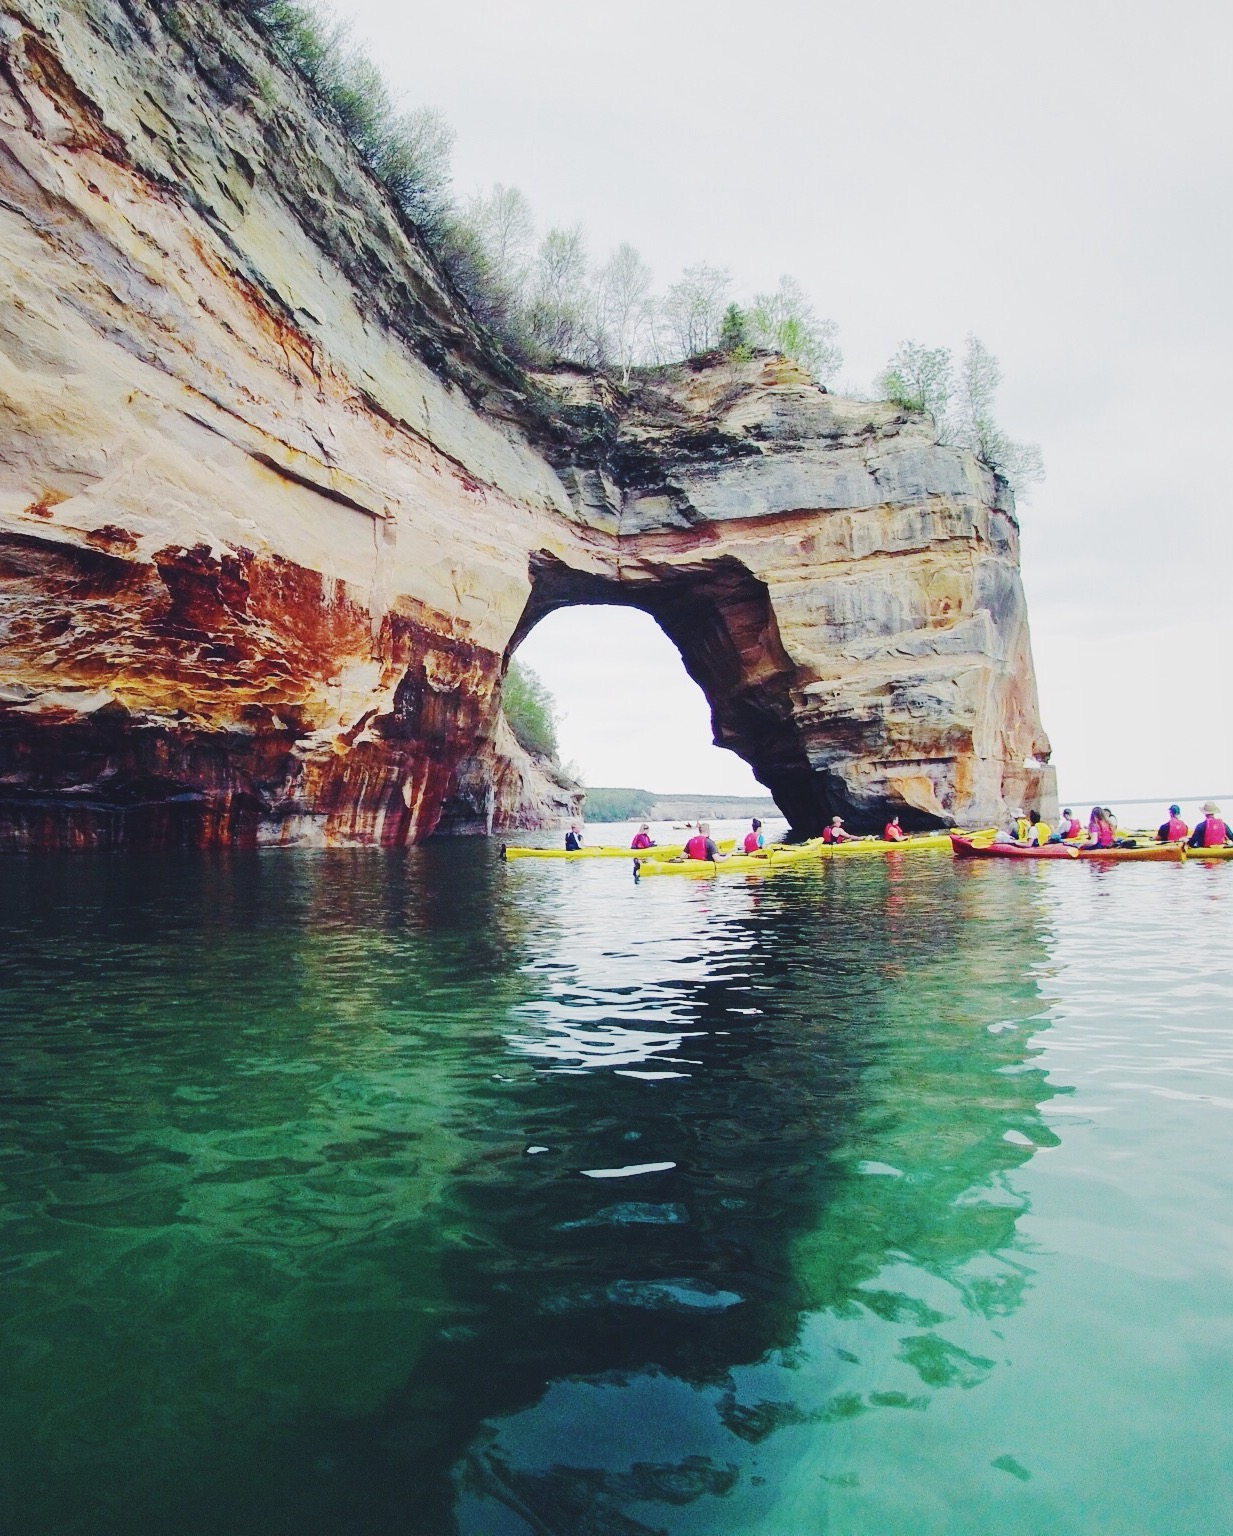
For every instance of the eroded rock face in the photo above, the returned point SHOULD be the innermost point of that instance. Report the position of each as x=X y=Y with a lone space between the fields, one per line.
x=273 y=512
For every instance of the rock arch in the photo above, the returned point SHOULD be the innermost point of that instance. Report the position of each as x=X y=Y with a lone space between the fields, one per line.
x=274 y=508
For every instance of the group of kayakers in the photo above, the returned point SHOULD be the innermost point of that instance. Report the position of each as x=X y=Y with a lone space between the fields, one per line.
x=1102 y=831
x=1024 y=831
x=1212 y=832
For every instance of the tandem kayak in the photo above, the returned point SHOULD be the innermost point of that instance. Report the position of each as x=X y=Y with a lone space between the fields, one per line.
x=1225 y=851
x=965 y=848
x=664 y=851
x=778 y=856
x=923 y=842
x=1158 y=853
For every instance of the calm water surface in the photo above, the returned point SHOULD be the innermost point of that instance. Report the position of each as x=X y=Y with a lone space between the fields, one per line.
x=368 y=1194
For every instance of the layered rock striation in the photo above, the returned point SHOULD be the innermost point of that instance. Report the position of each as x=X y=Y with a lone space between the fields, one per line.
x=274 y=510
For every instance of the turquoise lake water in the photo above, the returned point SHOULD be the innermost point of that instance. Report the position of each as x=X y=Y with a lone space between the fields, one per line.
x=418 y=1194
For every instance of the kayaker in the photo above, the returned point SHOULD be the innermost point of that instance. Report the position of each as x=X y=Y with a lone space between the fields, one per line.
x=1212 y=831
x=1103 y=837
x=1069 y=828
x=1175 y=829
x=1039 y=832
x=753 y=838
x=642 y=837
x=573 y=838
x=892 y=832
x=836 y=833
x=1022 y=826
x=701 y=845
x=1010 y=833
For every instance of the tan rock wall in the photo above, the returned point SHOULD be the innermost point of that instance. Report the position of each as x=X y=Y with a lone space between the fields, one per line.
x=273 y=510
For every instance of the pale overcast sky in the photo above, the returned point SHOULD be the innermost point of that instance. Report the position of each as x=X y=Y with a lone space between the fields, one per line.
x=1054 y=177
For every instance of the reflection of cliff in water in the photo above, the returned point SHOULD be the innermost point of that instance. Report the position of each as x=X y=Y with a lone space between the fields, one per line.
x=857 y=1087
x=277 y=1218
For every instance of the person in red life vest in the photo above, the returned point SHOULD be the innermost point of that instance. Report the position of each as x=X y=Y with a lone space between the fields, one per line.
x=753 y=838
x=642 y=837
x=893 y=832
x=701 y=845
x=1103 y=836
x=1175 y=829
x=835 y=833
x=1069 y=829
x=1212 y=831
x=573 y=838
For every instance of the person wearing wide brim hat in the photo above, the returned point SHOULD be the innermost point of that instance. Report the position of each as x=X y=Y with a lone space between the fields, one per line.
x=1212 y=831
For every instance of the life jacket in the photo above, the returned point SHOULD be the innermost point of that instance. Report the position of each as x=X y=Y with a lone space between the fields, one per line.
x=828 y=834
x=1176 y=830
x=1040 y=834
x=642 y=840
x=1104 y=834
x=1214 y=832
x=695 y=848
x=1073 y=828
x=1022 y=828
x=893 y=834
x=753 y=841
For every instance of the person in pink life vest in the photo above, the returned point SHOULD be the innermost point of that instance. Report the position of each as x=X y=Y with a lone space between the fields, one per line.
x=1175 y=829
x=1212 y=831
x=1104 y=832
x=753 y=838
x=701 y=845
x=835 y=833
x=892 y=832
x=642 y=837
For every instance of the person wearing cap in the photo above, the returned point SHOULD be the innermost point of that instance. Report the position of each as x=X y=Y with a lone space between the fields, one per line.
x=573 y=838
x=836 y=832
x=1175 y=829
x=1068 y=829
x=642 y=837
x=1015 y=830
x=1212 y=831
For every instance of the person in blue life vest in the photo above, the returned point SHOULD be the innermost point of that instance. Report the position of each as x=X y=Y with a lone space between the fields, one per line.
x=573 y=838
x=701 y=845
x=1212 y=831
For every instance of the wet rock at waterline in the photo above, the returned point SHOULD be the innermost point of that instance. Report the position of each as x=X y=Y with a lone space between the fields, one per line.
x=274 y=512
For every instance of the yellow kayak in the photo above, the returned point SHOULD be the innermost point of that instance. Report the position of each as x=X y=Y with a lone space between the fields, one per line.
x=923 y=842
x=736 y=864
x=1225 y=852
x=661 y=851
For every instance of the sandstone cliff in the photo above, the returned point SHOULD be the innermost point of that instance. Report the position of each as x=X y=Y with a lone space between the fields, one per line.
x=274 y=512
